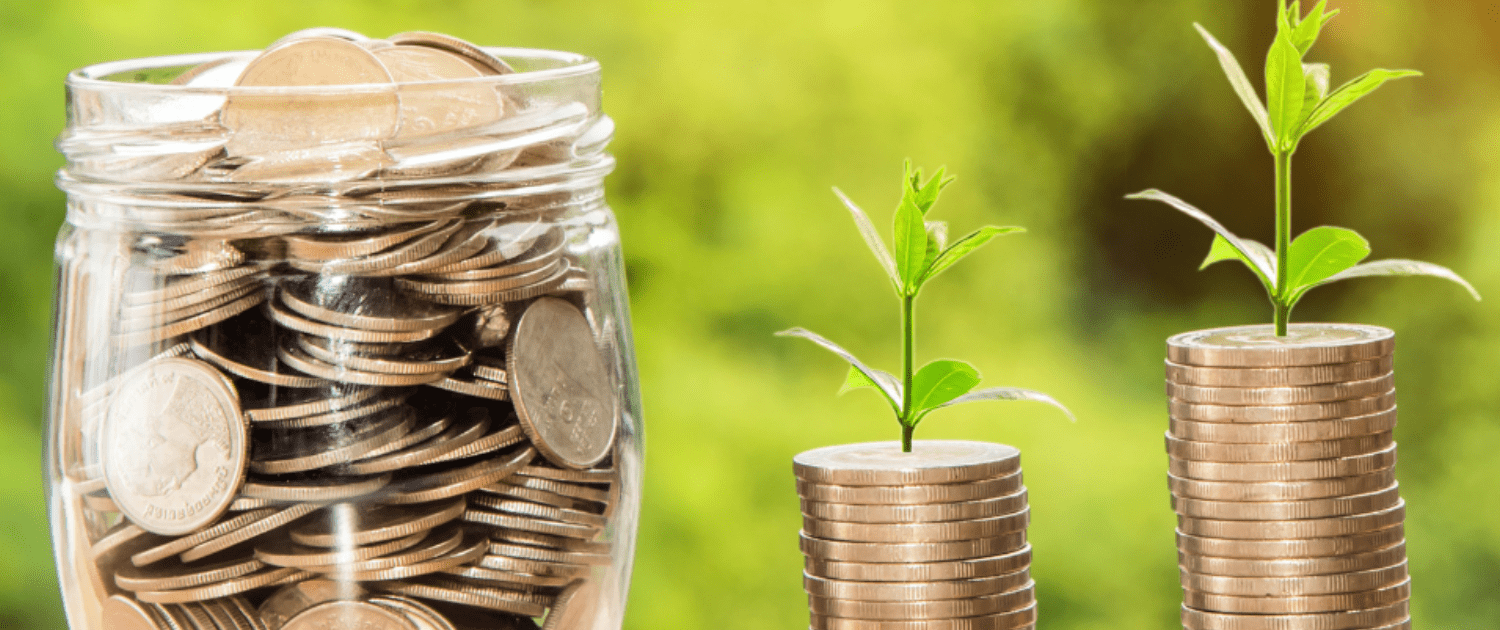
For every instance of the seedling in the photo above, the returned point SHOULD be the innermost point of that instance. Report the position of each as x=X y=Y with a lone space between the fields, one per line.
x=921 y=253
x=1298 y=101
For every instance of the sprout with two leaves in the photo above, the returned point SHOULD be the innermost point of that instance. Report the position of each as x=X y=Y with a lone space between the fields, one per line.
x=1298 y=100
x=921 y=253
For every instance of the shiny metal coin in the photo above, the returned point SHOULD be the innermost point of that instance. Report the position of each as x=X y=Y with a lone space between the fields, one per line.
x=1258 y=346
x=561 y=386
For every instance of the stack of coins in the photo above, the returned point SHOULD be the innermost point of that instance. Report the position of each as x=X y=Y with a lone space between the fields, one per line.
x=394 y=406
x=931 y=539
x=1282 y=476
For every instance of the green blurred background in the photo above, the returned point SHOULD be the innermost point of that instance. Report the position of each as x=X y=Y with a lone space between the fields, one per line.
x=735 y=119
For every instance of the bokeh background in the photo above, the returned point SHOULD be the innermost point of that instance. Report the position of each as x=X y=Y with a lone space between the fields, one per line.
x=736 y=118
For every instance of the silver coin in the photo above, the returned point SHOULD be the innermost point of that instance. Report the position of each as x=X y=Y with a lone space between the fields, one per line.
x=560 y=385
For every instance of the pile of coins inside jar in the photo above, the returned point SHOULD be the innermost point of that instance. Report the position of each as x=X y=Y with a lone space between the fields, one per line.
x=358 y=377
x=1283 y=479
x=934 y=538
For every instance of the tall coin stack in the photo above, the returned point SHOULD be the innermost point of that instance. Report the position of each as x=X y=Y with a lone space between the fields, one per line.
x=1283 y=479
x=927 y=540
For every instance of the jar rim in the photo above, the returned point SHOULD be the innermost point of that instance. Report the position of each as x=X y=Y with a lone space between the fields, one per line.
x=539 y=66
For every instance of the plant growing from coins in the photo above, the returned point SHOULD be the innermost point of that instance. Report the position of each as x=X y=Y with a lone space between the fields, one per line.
x=1298 y=100
x=921 y=252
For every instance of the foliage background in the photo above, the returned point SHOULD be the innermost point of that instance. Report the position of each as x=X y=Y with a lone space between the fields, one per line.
x=735 y=118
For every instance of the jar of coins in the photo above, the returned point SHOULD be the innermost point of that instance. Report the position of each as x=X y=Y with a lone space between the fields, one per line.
x=342 y=341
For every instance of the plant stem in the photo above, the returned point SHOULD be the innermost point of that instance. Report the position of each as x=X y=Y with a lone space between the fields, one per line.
x=908 y=343
x=1283 y=238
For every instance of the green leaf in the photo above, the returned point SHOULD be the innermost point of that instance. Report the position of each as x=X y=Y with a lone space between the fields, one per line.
x=1241 y=84
x=872 y=238
x=1396 y=267
x=1284 y=89
x=857 y=380
x=1307 y=29
x=911 y=245
x=941 y=381
x=1259 y=257
x=937 y=239
x=884 y=382
x=1349 y=92
x=1321 y=252
x=965 y=246
x=1222 y=250
x=927 y=196
x=1008 y=393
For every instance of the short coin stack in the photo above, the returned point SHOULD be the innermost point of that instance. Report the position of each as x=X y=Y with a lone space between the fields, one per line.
x=1283 y=479
x=931 y=539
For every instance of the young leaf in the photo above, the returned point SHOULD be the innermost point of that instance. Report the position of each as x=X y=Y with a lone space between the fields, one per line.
x=941 y=381
x=872 y=238
x=1008 y=393
x=857 y=380
x=1315 y=76
x=1241 y=84
x=965 y=246
x=937 y=239
x=1399 y=267
x=1321 y=252
x=1262 y=262
x=884 y=382
x=1349 y=92
x=1307 y=29
x=911 y=245
x=1284 y=89
x=927 y=195
x=1221 y=250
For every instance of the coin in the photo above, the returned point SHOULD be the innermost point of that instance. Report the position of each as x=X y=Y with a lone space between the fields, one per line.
x=533 y=567
x=924 y=609
x=262 y=122
x=1310 y=547
x=249 y=532
x=915 y=591
x=253 y=361
x=269 y=405
x=1281 y=432
x=477 y=388
x=218 y=589
x=1282 y=413
x=324 y=489
x=1277 y=452
x=1293 y=566
x=426 y=111
x=328 y=446
x=449 y=441
x=1286 y=471
x=285 y=317
x=168 y=330
x=174 y=446
x=921 y=571
x=283 y=552
x=1384 y=618
x=1298 y=395
x=916 y=532
x=438 y=357
x=1258 y=346
x=458 y=481
x=351 y=525
x=1015 y=620
x=1278 y=376
x=911 y=494
x=911 y=552
x=1361 y=600
x=538 y=511
x=363 y=303
x=1259 y=491
x=593 y=475
x=329 y=245
x=509 y=521
x=459 y=592
x=1304 y=528
x=438 y=543
x=931 y=462
x=123 y=613
x=575 y=491
x=298 y=358
x=176 y=575
x=1297 y=586
x=576 y=607
x=348 y=614
x=560 y=385
x=485 y=62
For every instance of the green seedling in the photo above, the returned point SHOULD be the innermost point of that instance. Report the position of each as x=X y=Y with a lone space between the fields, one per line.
x=1298 y=100
x=921 y=253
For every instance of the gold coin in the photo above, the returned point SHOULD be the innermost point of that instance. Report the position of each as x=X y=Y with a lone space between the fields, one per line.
x=916 y=532
x=283 y=552
x=327 y=489
x=1306 y=528
x=1286 y=471
x=1293 y=605
x=1016 y=620
x=1258 y=346
x=1393 y=617
x=921 y=571
x=1278 y=376
x=1282 y=413
x=1292 y=566
x=265 y=122
x=347 y=524
x=1023 y=597
x=1320 y=430
x=1259 y=491
x=1300 y=395
x=1277 y=452
x=931 y=462
x=911 y=552
x=911 y=494
x=218 y=589
x=1273 y=549
x=1297 y=586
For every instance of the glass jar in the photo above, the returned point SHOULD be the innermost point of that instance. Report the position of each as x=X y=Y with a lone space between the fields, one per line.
x=341 y=355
